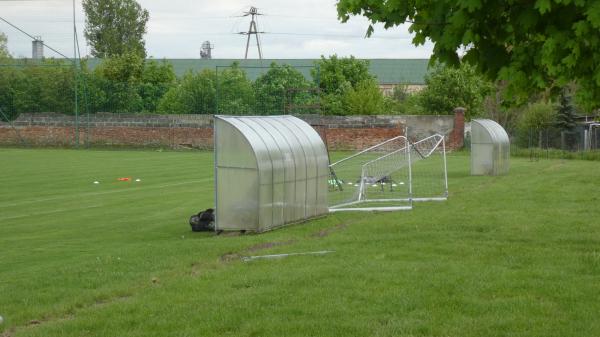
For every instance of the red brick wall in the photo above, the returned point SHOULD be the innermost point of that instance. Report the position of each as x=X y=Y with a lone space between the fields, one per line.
x=37 y=135
x=152 y=136
x=355 y=138
x=172 y=131
x=456 y=138
x=109 y=136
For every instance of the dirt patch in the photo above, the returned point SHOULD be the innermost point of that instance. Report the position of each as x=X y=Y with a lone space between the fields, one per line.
x=8 y=333
x=230 y=257
x=231 y=233
x=267 y=245
x=35 y=322
x=325 y=232
x=111 y=300
x=195 y=269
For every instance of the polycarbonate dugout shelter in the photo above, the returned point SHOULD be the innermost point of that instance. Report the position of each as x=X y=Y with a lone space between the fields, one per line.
x=490 y=148
x=269 y=171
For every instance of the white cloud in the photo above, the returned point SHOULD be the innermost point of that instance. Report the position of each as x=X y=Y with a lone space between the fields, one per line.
x=296 y=29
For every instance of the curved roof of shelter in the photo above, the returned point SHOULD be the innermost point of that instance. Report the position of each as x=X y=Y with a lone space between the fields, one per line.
x=495 y=131
x=269 y=137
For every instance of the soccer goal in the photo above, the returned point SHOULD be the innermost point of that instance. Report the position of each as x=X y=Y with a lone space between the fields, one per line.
x=428 y=168
x=390 y=176
x=377 y=178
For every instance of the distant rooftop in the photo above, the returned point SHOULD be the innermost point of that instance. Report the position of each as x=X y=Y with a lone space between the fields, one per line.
x=387 y=71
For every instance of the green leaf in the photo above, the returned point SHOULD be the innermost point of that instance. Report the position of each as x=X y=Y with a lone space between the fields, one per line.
x=593 y=14
x=543 y=6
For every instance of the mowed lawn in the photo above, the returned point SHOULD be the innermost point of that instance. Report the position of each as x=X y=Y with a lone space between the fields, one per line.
x=516 y=255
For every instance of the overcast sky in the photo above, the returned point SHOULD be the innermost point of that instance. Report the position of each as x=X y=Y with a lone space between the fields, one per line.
x=177 y=28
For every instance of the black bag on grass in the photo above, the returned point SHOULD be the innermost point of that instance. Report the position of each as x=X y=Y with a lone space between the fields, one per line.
x=203 y=221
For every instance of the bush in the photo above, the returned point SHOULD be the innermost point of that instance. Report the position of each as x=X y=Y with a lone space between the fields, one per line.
x=194 y=94
x=35 y=87
x=410 y=105
x=537 y=116
x=448 y=88
x=235 y=91
x=364 y=99
x=347 y=87
x=272 y=89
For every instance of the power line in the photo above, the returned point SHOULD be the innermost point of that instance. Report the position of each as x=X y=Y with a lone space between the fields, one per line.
x=339 y=36
x=301 y=17
x=33 y=37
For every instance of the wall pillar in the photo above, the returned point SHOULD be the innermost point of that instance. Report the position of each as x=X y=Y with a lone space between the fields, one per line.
x=457 y=136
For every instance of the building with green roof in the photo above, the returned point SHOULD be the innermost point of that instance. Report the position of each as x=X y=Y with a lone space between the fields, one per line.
x=389 y=72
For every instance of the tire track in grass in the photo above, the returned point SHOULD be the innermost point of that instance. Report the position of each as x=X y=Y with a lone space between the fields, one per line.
x=34 y=323
x=195 y=271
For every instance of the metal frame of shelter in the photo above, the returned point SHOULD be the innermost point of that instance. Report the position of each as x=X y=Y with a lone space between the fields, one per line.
x=490 y=148
x=269 y=171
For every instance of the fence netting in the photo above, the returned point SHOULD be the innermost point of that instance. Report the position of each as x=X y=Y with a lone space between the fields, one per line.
x=581 y=142
x=60 y=102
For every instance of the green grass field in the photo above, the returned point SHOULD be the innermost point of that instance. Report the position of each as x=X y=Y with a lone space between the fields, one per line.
x=517 y=255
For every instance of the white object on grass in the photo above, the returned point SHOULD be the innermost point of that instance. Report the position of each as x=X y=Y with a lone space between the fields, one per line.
x=1 y=320
x=96 y=182
x=278 y=256
x=138 y=180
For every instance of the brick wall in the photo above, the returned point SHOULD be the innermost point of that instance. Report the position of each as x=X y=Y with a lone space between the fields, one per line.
x=195 y=131
x=456 y=138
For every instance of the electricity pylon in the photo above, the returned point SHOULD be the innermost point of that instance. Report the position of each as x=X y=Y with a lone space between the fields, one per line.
x=252 y=30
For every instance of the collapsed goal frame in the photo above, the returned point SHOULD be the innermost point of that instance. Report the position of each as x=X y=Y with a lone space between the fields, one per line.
x=390 y=176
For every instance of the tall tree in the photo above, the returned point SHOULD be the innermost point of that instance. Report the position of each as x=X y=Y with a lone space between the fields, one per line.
x=115 y=27
x=565 y=112
x=3 y=48
x=535 y=45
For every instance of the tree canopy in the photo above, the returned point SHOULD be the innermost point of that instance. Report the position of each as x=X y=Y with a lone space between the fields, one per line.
x=338 y=72
x=539 y=45
x=347 y=86
x=280 y=87
x=448 y=88
x=115 y=27
x=194 y=94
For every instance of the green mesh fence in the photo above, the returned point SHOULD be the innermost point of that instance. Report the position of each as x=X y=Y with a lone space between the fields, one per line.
x=71 y=105
x=273 y=90
x=581 y=142
x=36 y=87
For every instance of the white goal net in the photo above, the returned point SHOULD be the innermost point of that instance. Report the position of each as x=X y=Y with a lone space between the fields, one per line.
x=390 y=175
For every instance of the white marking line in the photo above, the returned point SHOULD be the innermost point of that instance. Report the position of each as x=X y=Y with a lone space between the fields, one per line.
x=50 y=212
x=90 y=194
x=278 y=256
